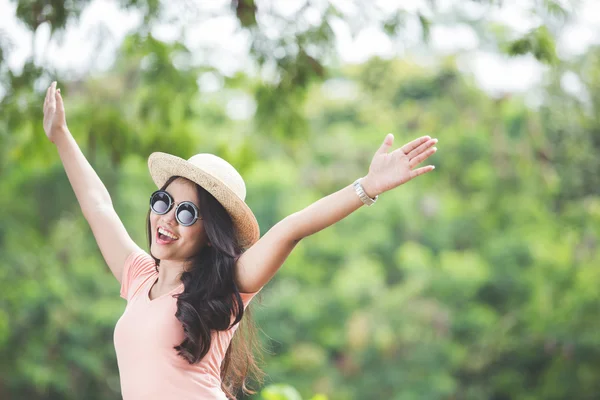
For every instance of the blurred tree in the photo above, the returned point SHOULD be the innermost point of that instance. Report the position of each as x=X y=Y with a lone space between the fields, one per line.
x=479 y=282
x=303 y=45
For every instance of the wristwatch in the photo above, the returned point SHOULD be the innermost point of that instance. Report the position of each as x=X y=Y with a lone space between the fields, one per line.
x=360 y=191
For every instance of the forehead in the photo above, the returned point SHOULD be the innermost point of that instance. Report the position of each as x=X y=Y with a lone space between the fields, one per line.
x=183 y=190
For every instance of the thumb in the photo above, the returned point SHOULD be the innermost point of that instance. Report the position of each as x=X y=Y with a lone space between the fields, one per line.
x=387 y=144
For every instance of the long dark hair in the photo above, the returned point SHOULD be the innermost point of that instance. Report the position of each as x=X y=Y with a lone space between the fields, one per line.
x=210 y=298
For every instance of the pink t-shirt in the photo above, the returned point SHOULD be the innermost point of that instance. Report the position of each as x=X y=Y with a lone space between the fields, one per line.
x=145 y=335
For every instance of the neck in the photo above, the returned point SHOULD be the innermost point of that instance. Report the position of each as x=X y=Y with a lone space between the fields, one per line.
x=169 y=273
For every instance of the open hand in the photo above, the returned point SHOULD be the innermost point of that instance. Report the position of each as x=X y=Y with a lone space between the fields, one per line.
x=54 y=112
x=390 y=170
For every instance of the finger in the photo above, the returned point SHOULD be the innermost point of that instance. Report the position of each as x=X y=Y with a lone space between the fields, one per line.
x=421 y=171
x=387 y=144
x=421 y=157
x=407 y=148
x=421 y=148
x=59 y=101
x=53 y=94
x=47 y=98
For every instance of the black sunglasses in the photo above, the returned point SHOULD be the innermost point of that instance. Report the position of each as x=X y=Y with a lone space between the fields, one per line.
x=186 y=212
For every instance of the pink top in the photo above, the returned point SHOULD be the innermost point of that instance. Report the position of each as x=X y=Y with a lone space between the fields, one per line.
x=145 y=335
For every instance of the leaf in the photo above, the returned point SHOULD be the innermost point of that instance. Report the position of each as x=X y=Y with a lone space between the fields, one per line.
x=554 y=8
x=425 y=26
x=280 y=392
x=393 y=24
x=245 y=11
x=539 y=42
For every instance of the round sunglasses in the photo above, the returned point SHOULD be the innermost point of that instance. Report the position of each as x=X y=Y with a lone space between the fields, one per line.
x=186 y=212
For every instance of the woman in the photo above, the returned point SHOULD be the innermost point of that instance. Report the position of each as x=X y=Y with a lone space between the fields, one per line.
x=186 y=297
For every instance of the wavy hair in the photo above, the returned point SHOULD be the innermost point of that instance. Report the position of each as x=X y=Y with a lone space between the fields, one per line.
x=211 y=298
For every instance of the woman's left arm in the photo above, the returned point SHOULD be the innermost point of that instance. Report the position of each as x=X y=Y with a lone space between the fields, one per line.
x=388 y=170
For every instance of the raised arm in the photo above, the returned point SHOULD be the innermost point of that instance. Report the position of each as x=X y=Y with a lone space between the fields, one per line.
x=113 y=240
x=388 y=170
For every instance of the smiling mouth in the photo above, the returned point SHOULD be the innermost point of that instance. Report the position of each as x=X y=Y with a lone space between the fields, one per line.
x=164 y=239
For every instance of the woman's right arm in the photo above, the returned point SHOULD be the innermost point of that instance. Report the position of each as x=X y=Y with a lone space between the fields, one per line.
x=113 y=240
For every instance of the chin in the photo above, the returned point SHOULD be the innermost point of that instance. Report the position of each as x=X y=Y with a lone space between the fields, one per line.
x=160 y=251
x=166 y=253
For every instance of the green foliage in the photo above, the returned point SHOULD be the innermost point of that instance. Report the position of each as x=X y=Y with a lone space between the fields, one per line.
x=538 y=42
x=476 y=281
x=57 y=12
x=280 y=392
x=245 y=11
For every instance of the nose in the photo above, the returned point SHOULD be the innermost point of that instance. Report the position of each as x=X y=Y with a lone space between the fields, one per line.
x=169 y=218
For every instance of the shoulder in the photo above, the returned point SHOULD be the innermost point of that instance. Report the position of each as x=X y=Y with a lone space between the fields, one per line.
x=139 y=265
x=139 y=259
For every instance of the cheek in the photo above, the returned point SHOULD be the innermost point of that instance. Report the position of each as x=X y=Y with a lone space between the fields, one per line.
x=196 y=238
x=153 y=225
x=153 y=221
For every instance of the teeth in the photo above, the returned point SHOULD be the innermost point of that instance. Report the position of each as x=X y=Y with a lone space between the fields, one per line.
x=162 y=231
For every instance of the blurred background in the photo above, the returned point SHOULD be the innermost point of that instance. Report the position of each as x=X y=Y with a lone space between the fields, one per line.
x=476 y=281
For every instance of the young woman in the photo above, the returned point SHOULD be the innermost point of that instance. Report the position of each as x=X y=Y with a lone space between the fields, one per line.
x=187 y=295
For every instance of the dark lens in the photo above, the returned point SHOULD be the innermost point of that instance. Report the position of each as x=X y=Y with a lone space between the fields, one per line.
x=160 y=202
x=186 y=214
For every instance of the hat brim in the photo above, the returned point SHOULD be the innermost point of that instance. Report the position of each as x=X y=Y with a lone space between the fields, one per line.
x=162 y=166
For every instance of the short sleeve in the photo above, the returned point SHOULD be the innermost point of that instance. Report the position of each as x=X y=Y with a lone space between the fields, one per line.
x=247 y=297
x=138 y=266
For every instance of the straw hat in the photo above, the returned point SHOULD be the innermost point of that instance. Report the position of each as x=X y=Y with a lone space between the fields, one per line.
x=219 y=178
